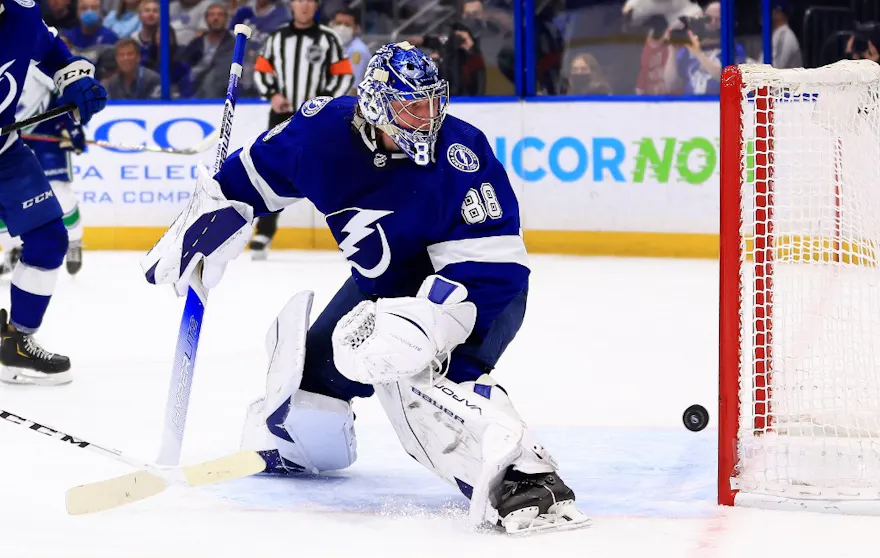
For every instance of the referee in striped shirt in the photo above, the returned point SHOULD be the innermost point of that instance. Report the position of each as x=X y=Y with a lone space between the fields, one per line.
x=300 y=60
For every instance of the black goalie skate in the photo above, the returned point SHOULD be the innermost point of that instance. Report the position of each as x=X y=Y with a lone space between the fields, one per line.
x=74 y=258
x=527 y=503
x=26 y=362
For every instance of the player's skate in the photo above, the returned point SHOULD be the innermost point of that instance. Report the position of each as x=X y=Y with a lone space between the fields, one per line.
x=73 y=260
x=537 y=502
x=26 y=362
x=259 y=247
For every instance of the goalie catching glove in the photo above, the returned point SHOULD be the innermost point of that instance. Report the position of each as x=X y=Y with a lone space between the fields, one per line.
x=395 y=338
x=212 y=230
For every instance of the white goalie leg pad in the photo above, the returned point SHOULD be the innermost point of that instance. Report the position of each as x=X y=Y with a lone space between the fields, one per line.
x=468 y=434
x=313 y=431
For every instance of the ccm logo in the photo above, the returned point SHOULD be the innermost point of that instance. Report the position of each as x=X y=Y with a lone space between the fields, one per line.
x=78 y=72
x=37 y=199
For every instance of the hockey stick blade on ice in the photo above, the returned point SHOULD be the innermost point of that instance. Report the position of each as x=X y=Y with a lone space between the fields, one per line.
x=195 y=149
x=149 y=481
x=133 y=487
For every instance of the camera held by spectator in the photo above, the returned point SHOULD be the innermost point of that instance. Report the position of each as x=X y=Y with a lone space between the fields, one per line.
x=696 y=68
x=706 y=28
x=458 y=55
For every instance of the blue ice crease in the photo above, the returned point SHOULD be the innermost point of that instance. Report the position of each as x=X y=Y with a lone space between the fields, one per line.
x=614 y=472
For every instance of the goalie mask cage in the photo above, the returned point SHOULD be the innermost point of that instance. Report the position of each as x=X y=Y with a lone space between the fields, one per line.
x=799 y=331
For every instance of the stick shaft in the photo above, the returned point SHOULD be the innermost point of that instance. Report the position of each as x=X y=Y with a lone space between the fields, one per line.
x=109 y=145
x=177 y=405
x=36 y=119
x=70 y=440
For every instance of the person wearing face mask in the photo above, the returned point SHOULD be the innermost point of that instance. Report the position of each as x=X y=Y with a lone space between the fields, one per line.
x=585 y=77
x=347 y=26
x=91 y=32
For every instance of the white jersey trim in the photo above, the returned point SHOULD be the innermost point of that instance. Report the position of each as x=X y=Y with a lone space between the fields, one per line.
x=8 y=141
x=492 y=249
x=273 y=201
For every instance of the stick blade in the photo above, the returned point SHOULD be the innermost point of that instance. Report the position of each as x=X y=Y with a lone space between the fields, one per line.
x=230 y=467
x=112 y=493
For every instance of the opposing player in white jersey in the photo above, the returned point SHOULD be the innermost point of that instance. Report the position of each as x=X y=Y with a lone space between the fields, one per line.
x=39 y=95
x=426 y=216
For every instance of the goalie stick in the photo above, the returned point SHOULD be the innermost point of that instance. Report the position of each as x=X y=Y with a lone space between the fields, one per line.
x=154 y=478
x=177 y=405
x=149 y=481
x=195 y=149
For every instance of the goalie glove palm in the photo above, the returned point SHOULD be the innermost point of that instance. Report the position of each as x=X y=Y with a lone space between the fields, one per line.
x=395 y=338
x=212 y=230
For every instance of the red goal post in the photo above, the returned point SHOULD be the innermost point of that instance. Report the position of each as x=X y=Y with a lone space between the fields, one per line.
x=799 y=297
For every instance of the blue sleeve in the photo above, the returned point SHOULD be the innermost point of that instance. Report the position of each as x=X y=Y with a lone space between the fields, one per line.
x=483 y=249
x=262 y=173
x=240 y=16
x=52 y=51
x=681 y=61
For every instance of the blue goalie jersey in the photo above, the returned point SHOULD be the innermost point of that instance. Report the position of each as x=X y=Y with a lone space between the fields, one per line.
x=394 y=221
x=24 y=37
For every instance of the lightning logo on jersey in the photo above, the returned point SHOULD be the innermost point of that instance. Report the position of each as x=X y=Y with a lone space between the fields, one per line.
x=357 y=229
x=13 y=85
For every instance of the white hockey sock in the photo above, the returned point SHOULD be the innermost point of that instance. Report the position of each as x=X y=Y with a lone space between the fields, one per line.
x=70 y=206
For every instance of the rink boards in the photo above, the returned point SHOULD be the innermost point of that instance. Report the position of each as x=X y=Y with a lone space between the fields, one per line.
x=628 y=178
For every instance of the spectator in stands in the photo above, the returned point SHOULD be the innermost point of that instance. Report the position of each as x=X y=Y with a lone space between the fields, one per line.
x=60 y=14
x=696 y=68
x=655 y=53
x=149 y=40
x=147 y=36
x=124 y=20
x=346 y=25
x=586 y=77
x=458 y=57
x=209 y=56
x=132 y=81
x=90 y=32
x=550 y=46
x=188 y=19
x=786 y=48
x=262 y=16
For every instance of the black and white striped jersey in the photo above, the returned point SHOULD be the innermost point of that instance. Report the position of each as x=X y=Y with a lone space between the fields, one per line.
x=302 y=64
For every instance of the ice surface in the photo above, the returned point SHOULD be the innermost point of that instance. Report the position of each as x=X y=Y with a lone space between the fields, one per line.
x=612 y=352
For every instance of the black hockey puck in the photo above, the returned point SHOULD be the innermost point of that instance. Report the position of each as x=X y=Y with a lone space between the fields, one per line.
x=695 y=418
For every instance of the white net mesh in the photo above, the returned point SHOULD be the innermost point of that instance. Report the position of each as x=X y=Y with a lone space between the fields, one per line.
x=810 y=370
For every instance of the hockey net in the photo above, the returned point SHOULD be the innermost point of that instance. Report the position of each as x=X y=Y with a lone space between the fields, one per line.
x=799 y=422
